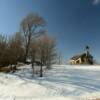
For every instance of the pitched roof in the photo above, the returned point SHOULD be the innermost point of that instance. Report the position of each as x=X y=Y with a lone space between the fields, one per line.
x=81 y=55
x=75 y=57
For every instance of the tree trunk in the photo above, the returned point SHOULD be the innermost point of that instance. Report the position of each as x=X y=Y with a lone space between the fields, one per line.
x=26 y=52
x=41 y=69
x=33 y=67
x=27 y=46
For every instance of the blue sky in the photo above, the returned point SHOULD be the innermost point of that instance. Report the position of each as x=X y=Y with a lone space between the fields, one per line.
x=74 y=23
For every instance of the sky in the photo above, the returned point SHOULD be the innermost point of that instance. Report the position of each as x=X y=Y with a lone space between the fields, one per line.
x=74 y=23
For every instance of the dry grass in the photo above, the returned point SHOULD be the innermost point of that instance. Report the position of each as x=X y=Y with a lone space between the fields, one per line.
x=7 y=69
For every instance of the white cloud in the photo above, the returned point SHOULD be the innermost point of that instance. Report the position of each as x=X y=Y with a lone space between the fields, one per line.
x=96 y=2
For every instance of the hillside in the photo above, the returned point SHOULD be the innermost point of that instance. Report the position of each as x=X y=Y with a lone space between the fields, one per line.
x=61 y=82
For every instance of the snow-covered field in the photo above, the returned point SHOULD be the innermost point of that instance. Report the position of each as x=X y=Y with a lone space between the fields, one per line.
x=62 y=82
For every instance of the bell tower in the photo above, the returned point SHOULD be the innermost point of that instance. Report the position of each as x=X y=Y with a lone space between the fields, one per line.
x=87 y=50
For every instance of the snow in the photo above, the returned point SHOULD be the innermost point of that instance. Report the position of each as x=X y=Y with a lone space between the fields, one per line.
x=62 y=82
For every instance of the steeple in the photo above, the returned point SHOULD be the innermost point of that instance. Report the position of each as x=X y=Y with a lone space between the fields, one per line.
x=87 y=49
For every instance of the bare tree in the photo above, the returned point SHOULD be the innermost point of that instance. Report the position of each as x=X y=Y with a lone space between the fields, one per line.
x=15 y=50
x=33 y=53
x=41 y=53
x=3 y=51
x=59 y=58
x=31 y=27
x=49 y=50
x=46 y=52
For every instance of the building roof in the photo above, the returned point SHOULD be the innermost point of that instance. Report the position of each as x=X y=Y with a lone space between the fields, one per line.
x=80 y=56
x=75 y=57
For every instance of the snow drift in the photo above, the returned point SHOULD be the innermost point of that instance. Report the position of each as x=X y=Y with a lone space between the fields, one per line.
x=63 y=82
